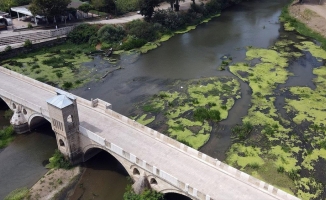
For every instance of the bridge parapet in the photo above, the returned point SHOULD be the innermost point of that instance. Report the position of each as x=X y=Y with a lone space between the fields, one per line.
x=151 y=169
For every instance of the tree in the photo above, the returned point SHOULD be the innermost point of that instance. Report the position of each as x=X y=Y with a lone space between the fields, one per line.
x=85 y=7
x=171 y=3
x=147 y=8
x=48 y=8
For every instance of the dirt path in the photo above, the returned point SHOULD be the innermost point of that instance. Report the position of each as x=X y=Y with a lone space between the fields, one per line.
x=311 y=13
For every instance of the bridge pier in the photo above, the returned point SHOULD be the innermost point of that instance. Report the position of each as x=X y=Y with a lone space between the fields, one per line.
x=19 y=121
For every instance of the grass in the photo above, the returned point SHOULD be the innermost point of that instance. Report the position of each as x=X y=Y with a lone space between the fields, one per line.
x=301 y=27
x=18 y=194
x=6 y=136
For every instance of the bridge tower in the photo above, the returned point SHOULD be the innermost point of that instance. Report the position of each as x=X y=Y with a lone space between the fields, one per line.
x=65 y=123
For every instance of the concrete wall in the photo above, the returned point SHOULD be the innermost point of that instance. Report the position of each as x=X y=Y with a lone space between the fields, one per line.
x=19 y=49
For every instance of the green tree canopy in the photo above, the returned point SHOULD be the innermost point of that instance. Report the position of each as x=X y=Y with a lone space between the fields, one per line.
x=49 y=8
x=147 y=8
x=85 y=7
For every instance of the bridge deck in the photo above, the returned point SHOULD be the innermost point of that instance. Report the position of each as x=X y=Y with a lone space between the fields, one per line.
x=200 y=175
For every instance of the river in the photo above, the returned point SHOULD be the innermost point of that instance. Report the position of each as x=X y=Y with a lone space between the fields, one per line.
x=186 y=56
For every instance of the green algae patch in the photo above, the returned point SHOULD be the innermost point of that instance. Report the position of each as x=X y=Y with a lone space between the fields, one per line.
x=144 y=119
x=165 y=38
x=288 y=26
x=243 y=156
x=309 y=184
x=56 y=66
x=175 y=109
x=267 y=56
x=315 y=50
x=210 y=18
x=187 y=29
x=313 y=157
x=148 y=46
x=286 y=160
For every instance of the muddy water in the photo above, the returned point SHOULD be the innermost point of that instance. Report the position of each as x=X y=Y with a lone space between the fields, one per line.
x=188 y=56
x=194 y=55
x=21 y=163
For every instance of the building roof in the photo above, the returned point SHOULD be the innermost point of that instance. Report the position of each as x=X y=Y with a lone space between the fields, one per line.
x=24 y=10
x=60 y=101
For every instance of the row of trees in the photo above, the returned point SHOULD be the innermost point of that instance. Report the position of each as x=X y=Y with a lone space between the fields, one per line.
x=5 y=5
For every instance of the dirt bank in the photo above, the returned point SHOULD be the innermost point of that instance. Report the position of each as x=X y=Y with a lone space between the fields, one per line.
x=53 y=183
x=311 y=13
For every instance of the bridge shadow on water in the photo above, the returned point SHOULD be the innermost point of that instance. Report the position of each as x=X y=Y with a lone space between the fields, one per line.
x=105 y=178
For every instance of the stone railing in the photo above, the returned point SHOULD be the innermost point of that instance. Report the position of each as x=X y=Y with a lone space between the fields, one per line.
x=61 y=31
x=212 y=162
x=15 y=99
x=144 y=165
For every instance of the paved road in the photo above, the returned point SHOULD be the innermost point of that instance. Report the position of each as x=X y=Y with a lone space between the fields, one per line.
x=207 y=179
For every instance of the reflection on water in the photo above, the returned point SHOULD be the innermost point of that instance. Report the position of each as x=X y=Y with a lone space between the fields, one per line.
x=21 y=162
x=104 y=178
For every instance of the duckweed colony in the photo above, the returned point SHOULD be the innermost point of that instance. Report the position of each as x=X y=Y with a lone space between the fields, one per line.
x=189 y=110
x=283 y=149
x=283 y=144
x=59 y=66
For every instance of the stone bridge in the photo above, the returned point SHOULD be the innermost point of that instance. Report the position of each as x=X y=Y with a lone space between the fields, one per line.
x=83 y=128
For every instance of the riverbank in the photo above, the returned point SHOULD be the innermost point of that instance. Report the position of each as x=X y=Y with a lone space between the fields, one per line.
x=55 y=183
x=308 y=19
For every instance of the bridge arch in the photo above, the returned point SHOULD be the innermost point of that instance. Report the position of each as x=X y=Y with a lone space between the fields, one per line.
x=7 y=102
x=35 y=120
x=175 y=194
x=91 y=150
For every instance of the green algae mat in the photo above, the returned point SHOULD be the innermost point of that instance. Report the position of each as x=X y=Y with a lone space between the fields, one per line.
x=58 y=66
x=287 y=150
x=189 y=110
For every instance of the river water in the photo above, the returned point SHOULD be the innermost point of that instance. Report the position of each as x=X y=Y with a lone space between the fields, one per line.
x=188 y=56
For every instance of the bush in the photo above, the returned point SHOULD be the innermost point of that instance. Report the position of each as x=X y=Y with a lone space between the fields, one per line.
x=124 y=6
x=146 y=194
x=133 y=43
x=111 y=34
x=58 y=161
x=243 y=131
x=8 y=114
x=142 y=30
x=82 y=33
x=28 y=44
x=8 y=48
x=6 y=136
x=29 y=25
x=67 y=85
x=201 y=114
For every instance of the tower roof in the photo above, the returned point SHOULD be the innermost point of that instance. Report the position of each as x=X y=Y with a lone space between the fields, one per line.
x=60 y=101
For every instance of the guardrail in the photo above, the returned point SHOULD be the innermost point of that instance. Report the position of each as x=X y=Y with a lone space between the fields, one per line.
x=218 y=165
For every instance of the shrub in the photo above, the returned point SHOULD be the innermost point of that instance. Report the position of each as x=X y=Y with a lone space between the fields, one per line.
x=111 y=34
x=82 y=33
x=8 y=48
x=243 y=131
x=67 y=85
x=58 y=161
x=6 y=136
x=201 y=114
x=124 y=6
x=8 y=114
x=28 y=44
x=142 y=30
x=29 y=25
x=133 y=43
